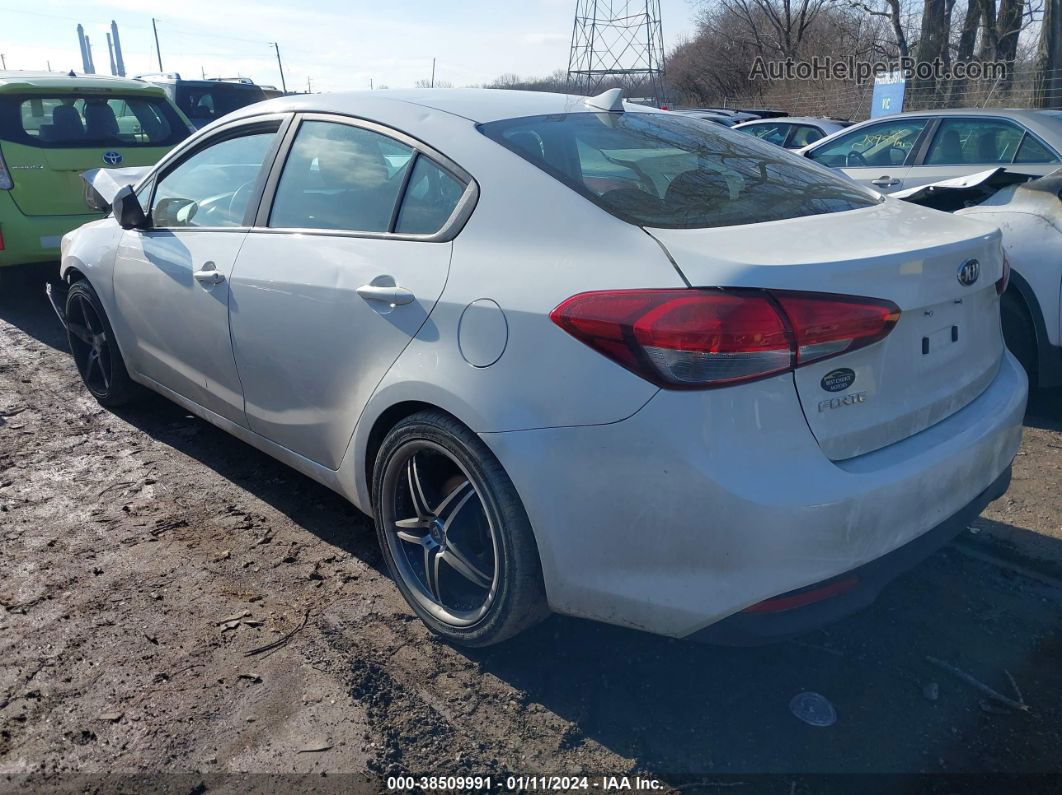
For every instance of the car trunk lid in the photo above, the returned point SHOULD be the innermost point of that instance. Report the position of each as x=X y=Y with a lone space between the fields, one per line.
x=48 y=181
x=942 y=353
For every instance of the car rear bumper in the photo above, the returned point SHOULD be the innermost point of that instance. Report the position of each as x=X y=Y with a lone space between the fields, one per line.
x=34 y=238
x=705 y=503
x=822 y=603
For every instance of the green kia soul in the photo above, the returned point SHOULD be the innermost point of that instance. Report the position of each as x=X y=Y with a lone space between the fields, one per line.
x=53 y=127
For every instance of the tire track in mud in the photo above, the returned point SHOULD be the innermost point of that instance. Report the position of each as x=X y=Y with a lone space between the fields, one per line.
x=138 y=529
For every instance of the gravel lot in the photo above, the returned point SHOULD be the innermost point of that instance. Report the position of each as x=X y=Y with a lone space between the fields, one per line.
x=145 y=554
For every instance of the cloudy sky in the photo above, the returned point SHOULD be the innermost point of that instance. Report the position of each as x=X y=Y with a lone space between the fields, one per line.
x=337 y=45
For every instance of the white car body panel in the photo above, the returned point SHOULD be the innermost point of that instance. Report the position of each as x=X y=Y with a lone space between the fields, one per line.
x=655 y=509
x=179 y=327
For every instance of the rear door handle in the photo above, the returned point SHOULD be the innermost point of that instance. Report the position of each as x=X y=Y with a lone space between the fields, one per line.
x=389 y=294
x=886 y=182
x=209 y=274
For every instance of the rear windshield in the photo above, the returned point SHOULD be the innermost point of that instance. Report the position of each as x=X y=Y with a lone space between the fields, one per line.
x=89 y=120
x=663 y=170
x=204 y=103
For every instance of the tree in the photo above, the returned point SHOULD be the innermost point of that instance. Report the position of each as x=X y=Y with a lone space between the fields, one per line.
x=1049 y=58
x=968 y=33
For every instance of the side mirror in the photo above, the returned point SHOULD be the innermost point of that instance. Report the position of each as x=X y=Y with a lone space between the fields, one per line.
x=127 y=210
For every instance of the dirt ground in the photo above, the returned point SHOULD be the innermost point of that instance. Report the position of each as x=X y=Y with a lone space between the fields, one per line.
x=146 y=556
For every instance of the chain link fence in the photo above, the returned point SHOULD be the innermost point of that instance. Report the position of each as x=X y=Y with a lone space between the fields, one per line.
x=1024 y=86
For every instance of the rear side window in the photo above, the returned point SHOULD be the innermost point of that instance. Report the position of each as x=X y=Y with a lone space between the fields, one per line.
x=430 y=199
x=90 y=121
x=205 y=102
x=1032 y=151
x=340 y=177
x=974 y=142
x=663 y=170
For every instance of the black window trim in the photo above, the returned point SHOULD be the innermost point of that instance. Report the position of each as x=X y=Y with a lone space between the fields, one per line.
x=939 y=120
x=449 y=230
x=196 y=144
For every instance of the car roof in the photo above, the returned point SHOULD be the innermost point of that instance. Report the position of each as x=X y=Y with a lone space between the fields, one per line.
x=13 y=81
x=479 y=105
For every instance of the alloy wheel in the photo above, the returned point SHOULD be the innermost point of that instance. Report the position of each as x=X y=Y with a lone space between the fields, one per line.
x=88 y=342
x=439 y=535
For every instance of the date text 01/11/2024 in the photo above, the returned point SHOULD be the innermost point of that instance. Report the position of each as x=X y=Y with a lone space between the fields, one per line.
x=522 y=783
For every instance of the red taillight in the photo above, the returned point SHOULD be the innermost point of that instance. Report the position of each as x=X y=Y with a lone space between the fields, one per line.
x=695 y=339
x=828 y=325
x=1004 y=280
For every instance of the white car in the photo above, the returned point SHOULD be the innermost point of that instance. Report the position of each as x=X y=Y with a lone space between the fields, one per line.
x=1030 y=217
x=572 y=354
x=908 y=150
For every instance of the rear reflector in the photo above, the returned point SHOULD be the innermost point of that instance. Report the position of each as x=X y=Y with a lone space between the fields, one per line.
x=1 y=239
x=696 y=339
x=803 y=598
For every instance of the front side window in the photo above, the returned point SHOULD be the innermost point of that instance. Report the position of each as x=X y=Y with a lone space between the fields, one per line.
x=214 y=186
x=974 y=142
x=341 y=177
x=90 y=120
x=886 y=144
x=657 y=169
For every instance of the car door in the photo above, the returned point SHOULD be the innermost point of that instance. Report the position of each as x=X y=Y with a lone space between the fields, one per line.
x=349 y=255
x=771 y=131
x=962 y=146
x=171 y=279
x=877 y=155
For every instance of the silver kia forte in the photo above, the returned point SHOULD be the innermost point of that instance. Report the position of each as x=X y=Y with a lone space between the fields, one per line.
x=571 y=353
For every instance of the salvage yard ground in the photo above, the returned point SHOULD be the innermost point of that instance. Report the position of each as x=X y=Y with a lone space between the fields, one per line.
x=145 y=554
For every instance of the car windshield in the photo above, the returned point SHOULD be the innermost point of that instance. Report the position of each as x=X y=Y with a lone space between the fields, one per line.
x=90 y=120
x=204 y=102
x=663 y=170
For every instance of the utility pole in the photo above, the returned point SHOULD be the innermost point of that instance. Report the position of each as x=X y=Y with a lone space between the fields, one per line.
x=433 y=73
x=283 y=85
x=158 y=51
x=3 y=62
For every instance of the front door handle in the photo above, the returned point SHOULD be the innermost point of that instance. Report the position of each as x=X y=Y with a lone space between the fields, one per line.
x=389 y=294
x=209 y=274
x=886 y=182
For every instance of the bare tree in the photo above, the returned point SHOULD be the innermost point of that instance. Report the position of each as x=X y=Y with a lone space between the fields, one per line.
x=1049 y=58
x=893 y=11
x=968 y=33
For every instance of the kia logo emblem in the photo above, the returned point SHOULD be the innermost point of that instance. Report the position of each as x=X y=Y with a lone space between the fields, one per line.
x=112 y=158
x=969 y=272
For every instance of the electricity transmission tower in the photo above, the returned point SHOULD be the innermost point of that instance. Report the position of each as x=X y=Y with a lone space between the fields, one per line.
x=617 y=43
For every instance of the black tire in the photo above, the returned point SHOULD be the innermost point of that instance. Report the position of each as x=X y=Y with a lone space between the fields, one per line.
x=452 y=467
x=1019 y=334
x=95 y=350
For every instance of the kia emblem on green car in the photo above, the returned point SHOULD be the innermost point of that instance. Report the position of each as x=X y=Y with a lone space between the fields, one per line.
x=52 y=128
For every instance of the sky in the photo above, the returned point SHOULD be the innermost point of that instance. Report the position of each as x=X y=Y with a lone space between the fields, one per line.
x=332 y=44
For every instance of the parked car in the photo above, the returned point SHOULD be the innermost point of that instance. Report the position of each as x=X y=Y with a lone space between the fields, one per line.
x=912 y=149
x=1030 y=217
x=52 y=127
x=572 y=354
x=792 y=132
x=706 y=115
x=204 y=101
